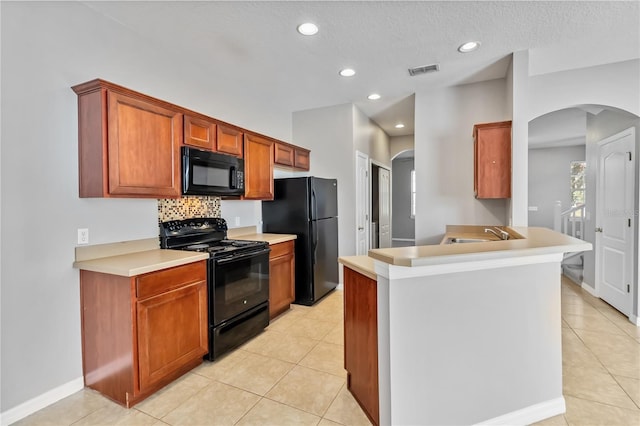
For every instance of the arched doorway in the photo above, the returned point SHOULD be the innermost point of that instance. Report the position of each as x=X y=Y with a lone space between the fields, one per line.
x=403 y=202
x=554 y=138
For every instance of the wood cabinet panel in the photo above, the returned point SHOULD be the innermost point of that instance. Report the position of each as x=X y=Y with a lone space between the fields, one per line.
x=361 y=341
x=133 y=346
x=199 y=133
x=230 y=140
x=108 y=334
x=283 y=154
x=170 y=332
x=281 y=278
x=258 y=168
x=290 y=156
x=155 y=283
x=128 y=143
x=301 y=159
x=492 y=160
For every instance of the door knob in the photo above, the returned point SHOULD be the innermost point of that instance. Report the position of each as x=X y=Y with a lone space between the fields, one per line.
x=360 y=228
x=598 y=229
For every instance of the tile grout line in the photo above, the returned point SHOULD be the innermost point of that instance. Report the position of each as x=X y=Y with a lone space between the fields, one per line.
x=602 y=364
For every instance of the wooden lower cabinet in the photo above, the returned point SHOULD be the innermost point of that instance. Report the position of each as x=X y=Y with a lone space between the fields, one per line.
x=140 y=333
x=281 y=278
x=361 y=341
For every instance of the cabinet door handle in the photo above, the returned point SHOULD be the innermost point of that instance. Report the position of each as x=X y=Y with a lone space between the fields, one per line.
x=598 y=229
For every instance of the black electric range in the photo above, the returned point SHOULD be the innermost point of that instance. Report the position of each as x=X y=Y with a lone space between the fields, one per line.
x=237 y=279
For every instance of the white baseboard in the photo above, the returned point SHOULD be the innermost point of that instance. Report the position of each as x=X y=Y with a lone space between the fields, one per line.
x=531 y=414
x=634 y=319
x=586 y=287
x=39 y=402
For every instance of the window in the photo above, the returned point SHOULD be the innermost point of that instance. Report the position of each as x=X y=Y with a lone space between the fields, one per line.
x=577 y=182
x=413 y=194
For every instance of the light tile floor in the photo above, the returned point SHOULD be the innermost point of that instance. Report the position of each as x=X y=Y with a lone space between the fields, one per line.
x=600 y=362
x=293 y=374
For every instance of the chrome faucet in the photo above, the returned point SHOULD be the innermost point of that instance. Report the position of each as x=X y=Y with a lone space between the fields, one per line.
x=503 y=235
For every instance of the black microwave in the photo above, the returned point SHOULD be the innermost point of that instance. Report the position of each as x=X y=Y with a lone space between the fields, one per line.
x=211 y=173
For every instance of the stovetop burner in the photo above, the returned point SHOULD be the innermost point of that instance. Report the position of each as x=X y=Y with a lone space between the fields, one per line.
x=204 y=235
x=197 y=247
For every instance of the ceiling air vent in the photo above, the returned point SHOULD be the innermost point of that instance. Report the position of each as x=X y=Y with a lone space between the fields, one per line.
x=424 y=69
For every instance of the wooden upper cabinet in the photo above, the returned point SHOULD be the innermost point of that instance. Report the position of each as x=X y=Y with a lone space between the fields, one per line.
x=129 y=143
x=230 y=140
x=283 y=154
x=492 y=160
x=199 y=133
x=301 y=158
x=258 y=168
x=291 y=156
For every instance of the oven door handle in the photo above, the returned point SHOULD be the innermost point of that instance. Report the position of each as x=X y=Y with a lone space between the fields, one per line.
x=242 y=256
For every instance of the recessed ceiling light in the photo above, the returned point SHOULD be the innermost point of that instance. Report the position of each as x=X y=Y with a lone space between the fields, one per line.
x=469 y=46
x=399 y=126
x=373 y=97
x=307 y=28
x=347 y=72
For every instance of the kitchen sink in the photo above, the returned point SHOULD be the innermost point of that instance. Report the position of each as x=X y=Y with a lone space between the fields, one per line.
x=467 y=240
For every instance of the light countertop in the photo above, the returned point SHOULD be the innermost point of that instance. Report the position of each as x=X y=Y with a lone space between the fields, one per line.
x=130 y=258
x=361 y=264
x=249 y=234
x=142 y=262
x=534 y=241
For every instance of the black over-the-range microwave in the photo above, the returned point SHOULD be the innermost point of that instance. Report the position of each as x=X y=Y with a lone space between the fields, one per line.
x=211 y=173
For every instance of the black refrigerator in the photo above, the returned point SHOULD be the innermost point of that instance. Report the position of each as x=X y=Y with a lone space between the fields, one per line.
x=308 y=208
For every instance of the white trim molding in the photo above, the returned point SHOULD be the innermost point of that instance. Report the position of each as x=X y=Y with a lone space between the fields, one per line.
x=531 y=414
x=592 y=291
x=398 y=272
x=39 y=402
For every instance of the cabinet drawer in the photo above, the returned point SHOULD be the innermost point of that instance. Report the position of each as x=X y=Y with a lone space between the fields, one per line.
x=281 y=249
x=162 y=281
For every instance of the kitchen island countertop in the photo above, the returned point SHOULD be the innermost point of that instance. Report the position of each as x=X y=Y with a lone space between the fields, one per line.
x=534 y=241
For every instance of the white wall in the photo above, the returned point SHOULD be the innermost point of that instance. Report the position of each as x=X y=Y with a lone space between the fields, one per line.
x=399 y=144
x=46 y=48
x=518 y=92
x=616 y=85
x=550 y=181
x=444 y=157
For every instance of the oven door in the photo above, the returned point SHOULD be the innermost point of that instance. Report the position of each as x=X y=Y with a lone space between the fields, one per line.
x=238 y=284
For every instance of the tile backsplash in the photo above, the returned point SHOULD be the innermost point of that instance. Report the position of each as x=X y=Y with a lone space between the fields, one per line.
x=188 y=207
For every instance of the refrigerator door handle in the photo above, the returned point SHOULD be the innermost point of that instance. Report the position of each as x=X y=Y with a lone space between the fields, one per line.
x=314 y=234
x=314 y=205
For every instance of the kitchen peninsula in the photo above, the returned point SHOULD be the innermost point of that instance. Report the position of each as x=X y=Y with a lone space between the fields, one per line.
x=465 y=333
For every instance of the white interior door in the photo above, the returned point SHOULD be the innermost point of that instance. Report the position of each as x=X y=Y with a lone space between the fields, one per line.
x=615 y=221
x=384 y=206
x=362 y=203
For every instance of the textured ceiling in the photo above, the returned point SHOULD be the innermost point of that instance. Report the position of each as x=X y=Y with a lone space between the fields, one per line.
x=255 y=47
